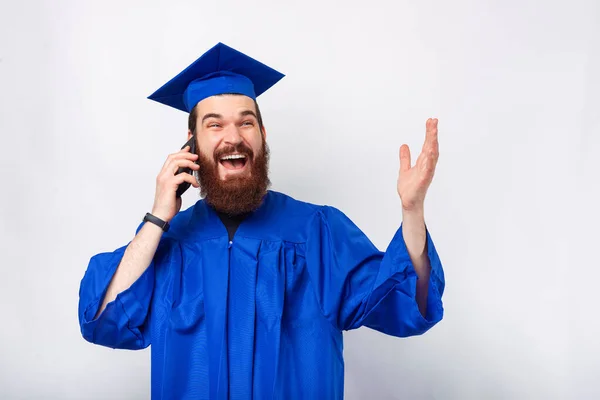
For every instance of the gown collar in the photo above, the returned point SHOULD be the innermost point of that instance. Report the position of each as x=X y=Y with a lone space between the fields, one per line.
x=204 y=222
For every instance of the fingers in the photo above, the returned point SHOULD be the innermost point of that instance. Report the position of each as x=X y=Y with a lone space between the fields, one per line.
x=180 y=159
x=404 y=158
x=431 y=133
x=183 y=153
x=182 y=163
x=429 y=153
x=431 y=145
x=185 y=177
x=428 y=163
x=173 y=164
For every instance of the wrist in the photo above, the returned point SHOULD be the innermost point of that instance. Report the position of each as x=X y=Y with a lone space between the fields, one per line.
x=162 y=215
x=414 y=211
x=157 y=220
x=414 y=232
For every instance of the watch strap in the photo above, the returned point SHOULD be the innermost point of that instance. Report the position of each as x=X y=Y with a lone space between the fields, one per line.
x=164 y=225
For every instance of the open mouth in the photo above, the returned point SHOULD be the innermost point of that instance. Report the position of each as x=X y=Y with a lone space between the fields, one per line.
x=234 y=161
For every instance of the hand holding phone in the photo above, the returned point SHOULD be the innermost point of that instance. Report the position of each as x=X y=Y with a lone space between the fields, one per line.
x=175 y=177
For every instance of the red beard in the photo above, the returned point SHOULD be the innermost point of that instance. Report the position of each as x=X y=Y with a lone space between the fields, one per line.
x=238 y=194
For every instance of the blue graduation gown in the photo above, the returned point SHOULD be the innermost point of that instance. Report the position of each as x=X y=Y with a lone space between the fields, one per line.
x=260 y=316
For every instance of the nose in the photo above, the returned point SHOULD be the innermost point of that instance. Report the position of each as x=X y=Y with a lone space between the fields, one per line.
x=232 y=135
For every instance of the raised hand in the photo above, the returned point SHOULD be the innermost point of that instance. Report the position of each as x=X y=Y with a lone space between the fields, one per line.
x=166 y=204
x=413 y=181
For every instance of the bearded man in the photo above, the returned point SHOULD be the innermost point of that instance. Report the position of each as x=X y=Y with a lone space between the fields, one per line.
x=247 y=293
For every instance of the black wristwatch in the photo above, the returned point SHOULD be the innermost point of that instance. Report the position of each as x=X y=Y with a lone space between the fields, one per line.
x=164 y=225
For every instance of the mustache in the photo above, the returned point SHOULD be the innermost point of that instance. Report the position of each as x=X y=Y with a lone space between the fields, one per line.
x=240 y=148
x=235 y=196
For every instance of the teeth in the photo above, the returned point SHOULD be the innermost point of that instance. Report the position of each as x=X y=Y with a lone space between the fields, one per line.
x=233 y=157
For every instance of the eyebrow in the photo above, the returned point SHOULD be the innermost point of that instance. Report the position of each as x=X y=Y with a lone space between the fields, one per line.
x=219 y=116
x=211 y=115
x=248 y=112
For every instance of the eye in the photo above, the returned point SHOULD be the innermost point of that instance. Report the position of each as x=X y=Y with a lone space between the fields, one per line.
x=213 y=125
x=248 y=123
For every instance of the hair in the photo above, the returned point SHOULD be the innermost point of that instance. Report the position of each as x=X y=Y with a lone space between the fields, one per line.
x=193 y=117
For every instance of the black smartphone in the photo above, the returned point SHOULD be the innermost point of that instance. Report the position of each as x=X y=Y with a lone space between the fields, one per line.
x=186 y=185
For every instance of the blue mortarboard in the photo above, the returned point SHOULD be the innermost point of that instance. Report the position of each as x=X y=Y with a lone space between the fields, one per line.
x=218 y=71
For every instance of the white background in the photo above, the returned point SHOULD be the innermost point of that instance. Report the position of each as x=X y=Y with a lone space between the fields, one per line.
x=513 y=208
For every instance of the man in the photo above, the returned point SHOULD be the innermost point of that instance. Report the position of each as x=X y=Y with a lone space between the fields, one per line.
x=246 y=294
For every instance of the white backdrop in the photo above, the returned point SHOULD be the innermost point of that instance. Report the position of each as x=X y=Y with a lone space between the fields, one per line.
x=513 y=208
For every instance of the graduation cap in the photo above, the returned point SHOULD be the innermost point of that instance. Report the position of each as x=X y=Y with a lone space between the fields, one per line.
x=221 y=70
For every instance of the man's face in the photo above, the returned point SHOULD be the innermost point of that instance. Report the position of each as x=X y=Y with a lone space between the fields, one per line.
x=233 y=154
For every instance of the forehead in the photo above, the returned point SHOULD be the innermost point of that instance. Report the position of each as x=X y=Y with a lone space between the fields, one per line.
x=226 y=105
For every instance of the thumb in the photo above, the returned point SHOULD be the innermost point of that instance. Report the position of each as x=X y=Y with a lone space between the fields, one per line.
x=404 y=158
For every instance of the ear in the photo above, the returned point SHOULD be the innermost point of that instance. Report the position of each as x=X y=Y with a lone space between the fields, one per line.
x=189 y=135
x=264 y=133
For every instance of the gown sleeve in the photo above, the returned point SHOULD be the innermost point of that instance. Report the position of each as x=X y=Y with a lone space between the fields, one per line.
x=124 y=322
x=358 y=285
